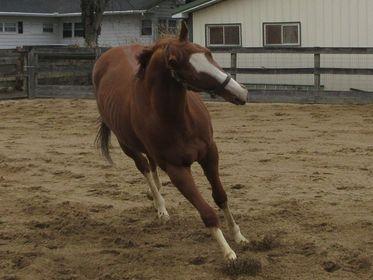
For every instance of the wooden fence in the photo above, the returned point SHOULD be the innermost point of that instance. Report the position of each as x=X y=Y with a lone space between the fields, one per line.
x=36 y=72
x=313 y=95
x=61 y=72
x=12 y=73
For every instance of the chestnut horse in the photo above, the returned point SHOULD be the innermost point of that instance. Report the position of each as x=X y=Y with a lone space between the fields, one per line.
x=143 y=96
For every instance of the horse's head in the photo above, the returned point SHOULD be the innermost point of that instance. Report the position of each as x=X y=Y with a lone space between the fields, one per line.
x=194 y=67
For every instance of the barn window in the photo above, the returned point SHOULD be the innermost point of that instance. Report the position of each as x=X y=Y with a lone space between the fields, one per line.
x=47 y=27
x=223 y=35
x=67 y=30
x=167 y=26
x=9 y=27
x=281 y=34
x=78 y=29
x=20 y=27
x=146 y=27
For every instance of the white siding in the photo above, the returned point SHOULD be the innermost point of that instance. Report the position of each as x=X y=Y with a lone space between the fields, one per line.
x=324 y=23
x=116 y=30
x=122 y=30
x=32 y=33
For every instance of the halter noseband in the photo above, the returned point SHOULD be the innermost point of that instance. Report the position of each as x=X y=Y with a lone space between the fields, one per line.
x=188 y=86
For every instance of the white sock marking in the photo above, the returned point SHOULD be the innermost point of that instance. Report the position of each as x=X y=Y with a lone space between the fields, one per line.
x=157 y=198
x=228 y=253
x=233 y=227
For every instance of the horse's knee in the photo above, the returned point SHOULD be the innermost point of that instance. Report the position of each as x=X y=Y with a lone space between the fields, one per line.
x=210 y=218
x=220 y=198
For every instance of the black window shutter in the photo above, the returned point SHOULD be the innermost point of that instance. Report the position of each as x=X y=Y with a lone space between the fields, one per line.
x=20 y=27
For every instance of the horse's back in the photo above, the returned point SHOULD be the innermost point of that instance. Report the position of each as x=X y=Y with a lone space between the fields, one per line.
x=113 y=80
x=116 y=68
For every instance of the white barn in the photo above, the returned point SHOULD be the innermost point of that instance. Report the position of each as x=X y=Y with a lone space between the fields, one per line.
x=291 y=23
x=58 y=22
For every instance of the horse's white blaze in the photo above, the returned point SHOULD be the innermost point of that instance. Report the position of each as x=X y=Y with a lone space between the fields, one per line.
x=228 y=253
x=202 y=65
x=157 y=198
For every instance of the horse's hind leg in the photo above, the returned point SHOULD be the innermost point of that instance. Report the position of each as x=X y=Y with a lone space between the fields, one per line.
x=182 y=178
x=210 y=166
x=157 y=181
x=142 y=165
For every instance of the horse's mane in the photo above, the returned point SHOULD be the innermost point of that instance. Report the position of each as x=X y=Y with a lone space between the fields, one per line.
x=144 y=57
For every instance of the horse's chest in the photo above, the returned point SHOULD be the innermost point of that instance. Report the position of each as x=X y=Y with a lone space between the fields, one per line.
x=180 y=148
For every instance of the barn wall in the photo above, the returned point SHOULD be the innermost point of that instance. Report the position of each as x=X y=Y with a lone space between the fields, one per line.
x=324 y=23
x=73 y=40
x=121 y=30
x=32 y=32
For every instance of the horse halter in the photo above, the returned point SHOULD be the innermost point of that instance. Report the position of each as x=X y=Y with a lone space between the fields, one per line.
x=177 y=77
x=188 y=86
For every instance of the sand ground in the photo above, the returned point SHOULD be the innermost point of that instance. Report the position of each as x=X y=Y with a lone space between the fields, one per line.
x=302 y=174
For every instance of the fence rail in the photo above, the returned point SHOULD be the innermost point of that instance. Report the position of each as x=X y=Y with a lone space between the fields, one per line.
x=316 y=94
x=11 y=73
x=46 y=71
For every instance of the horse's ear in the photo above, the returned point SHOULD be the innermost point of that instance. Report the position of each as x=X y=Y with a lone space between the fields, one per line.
x=143 y=58
x=183 y=37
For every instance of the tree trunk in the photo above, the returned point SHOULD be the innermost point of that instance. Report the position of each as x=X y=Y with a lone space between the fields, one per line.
x=92 y=15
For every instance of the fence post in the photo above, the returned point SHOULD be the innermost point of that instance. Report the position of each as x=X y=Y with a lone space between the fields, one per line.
x=317 y=65
x=19 y=85
x=234 y=65
x=32 y=62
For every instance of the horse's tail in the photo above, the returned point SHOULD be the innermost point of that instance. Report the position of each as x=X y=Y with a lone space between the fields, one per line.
x=102 y=140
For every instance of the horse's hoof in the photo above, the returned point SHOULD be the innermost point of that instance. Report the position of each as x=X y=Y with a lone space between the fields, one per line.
x=230 y=256
x=163 y=216
x=240 y=239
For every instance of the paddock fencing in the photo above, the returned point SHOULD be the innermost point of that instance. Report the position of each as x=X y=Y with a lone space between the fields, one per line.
x=12 y=74
x=65 y=72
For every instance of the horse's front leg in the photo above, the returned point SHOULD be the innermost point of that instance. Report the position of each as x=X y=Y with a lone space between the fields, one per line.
x=182 y=178
x=210 y=166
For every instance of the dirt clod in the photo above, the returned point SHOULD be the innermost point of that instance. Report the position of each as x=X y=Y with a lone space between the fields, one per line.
x=330 y=266
x=267 y=243
x=247 y=266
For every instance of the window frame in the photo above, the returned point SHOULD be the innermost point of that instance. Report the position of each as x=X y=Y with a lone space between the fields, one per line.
x=207 y=35
x=167 y=27
x=291 y=23
x=142 y=27
x=79 y=29
x=71 y=30
x=2 y=27
x=46 y=26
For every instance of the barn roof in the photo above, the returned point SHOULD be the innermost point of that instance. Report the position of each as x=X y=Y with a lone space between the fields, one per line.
x=185 y=10
x=60 y=7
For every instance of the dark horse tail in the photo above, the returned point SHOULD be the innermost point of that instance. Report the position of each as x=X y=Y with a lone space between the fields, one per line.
x=102 y=140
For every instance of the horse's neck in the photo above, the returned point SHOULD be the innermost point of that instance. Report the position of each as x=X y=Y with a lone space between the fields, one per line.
x=168 y=97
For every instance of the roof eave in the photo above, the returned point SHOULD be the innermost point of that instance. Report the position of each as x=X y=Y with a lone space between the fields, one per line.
x=69 y=14
x=185 y=13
